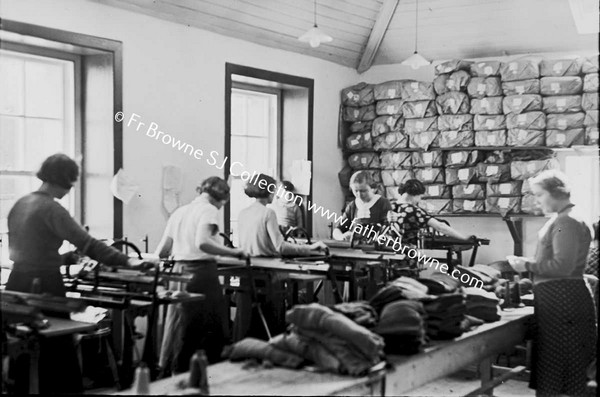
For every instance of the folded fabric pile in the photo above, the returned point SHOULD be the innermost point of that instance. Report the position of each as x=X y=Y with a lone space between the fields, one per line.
x=440 y=283
x=402 y=327
x=399 y=289
x=251 y=348
x=480 y=276
x=482 y=304
x=330 y=340
x=360 y=312
x=445 y=314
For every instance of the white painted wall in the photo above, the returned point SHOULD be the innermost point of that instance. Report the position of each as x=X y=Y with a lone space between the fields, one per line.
x=174 y=76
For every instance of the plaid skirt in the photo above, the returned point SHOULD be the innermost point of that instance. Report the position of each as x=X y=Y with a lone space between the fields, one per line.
x=564 y=342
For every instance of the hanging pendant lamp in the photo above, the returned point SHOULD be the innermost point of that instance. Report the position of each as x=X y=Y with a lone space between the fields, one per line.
x=314 y=36
x=416 y=60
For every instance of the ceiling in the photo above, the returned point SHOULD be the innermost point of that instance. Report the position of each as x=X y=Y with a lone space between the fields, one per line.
x=376 y=32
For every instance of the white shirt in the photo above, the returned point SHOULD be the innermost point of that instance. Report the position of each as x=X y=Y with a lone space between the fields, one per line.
x=184 y=228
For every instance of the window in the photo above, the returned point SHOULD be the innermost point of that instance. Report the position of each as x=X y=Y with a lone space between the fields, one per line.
x=254 y=141
x=583 y=173
x=37 y=119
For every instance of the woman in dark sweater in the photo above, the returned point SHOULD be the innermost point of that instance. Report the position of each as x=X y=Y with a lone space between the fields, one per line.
x=37 y=227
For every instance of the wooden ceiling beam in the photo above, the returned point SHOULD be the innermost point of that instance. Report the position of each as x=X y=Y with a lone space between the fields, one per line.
x=377 y=34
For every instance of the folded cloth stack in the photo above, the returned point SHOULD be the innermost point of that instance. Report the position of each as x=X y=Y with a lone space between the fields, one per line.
x=356 y=348
x=479 y=276
x=251 y=348
x=360 y=312
x=445 y=315
x=402 y=327
x=443 y=280
x=399 y=289
x=482 y=304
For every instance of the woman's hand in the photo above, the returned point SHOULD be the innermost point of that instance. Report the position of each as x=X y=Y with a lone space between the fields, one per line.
x=240 y=253
x=318 y=246
x=517 y=262
x=142 y=264
x=392 y=216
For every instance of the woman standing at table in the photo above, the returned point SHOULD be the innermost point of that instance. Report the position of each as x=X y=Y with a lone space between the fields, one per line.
x=565 y=336
x=37 y=227
x=192 y=238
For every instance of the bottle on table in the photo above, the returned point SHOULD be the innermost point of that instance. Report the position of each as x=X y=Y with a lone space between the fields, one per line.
x=141 y=384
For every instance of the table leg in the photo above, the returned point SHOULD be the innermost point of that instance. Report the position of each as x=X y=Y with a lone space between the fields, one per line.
x=486 y=373
x=34 y=367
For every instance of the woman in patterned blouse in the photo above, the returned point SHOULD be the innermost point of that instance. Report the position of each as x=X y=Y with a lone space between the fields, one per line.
x=408 y=218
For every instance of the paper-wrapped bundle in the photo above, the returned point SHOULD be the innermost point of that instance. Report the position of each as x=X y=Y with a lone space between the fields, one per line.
x=362 y=161
x=471 y=191
x=455 y=122
x=395 y=177
x=460 y=159
x=359 y=141
x=591 y=135
x=493 y=172
x=453 y=102
x=590 y=65
x=589 y=101
x=424 y=140
x=437 y=191
x=361 y=126
x=344 y=176
x=385 y=124
x=450 y=139
x=523 y=69
x=566 y=138
x=390 y=141
x=522 y=170
x=520 y=137
x=512 y=188
x=360 y=94
x=391 y=193
x=590 y=82
x=489 y=105
x=453 y=65
x=521 y=103
x=388 y=90
x=389 y=107
x=427 y=159
x=503 y=205
x=440 y=84
x=562 y=104
x=486 y=68
x=480 y=87
x=591 y=118
x=529 y=205
x=417 y=90
x=393 y=160
x=526 y=121
x=458 y=80
x=565 y=121
x=560 y=67
x=420 y=125
x=490 y=138
x=429 y=175
x=419 y=109
x=461 y=206
x=364 y=113
x=521 y=87
x=484 y=122
x=437 y=206
x=569 y=85
x=456 y=176
x=496 y=157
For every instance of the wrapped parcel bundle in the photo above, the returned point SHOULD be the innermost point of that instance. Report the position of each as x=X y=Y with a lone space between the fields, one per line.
x=385 y=124
x=390 y=141
x=388 y=90
x=360 y=94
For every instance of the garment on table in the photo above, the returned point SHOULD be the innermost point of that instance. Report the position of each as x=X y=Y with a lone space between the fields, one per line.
x=564 y=338
x=365 y=213
x=445 y=315
x=474 y=274
x=411 y=219
x=289 y=214
x=360 y=312
x=492 y=273
x=261 y=350
x=482 y=304
x=315 y=317
x=434 y=287
x=402 y=327
x=563 y=246
x=399 y=289
x=310 y=349
x=451 y=284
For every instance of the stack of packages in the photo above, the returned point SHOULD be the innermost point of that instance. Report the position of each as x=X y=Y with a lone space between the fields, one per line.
x=589 y=101
x=456 y=131
x=389 y=137
x=561 y=88
x=526 y=165
x=482 y=304
x=359 y=110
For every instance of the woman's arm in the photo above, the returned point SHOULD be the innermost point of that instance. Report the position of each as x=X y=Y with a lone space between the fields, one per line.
x=165 y=247
x=445 y=229
x=208 y=245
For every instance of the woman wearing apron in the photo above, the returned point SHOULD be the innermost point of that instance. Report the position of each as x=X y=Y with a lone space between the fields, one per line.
x=565 y=335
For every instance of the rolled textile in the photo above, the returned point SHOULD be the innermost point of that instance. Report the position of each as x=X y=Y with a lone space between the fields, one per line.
x=456 y=122
x=390 y=141
x=521 y=87
x=490 y=138
x=463 y=158
x=531 y=120
x=259 y=349
x=360 y=94
x=562 y=104
x=419 y=109
x=560 y=67
x=388 y=90
x=389 y=107
x=566 y=138
x=457 y=176
x=360 y=312
x=471 y=192
x=565 y=121
x=453 y=102
x=486 y=68
x=483 y=122
x=417 y=90
x=522 y=69
x=450 y=139
x=488 y=105
x=427 y=159
x=522 y=137
x=521 y=103
x=385 y=124
x=308 y=349
x=480 y=87
x=569 y=85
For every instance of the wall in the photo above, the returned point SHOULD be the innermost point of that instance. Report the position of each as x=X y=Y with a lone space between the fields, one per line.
x=493 y=228
x=175 y=76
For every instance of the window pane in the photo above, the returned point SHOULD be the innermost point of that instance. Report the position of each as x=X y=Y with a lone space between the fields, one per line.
x=258 y=155
x=43 y=137
x=258 y=116
x=13 y=188
x=238 y=114
x=12 y=85
x=12 y=143
x=44 y=90
x=98 y=206
x=239 y=151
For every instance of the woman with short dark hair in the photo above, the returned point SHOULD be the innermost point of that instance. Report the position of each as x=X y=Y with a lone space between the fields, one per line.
x=565 y=335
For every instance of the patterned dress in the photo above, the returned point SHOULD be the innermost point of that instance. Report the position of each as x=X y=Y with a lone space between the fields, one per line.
x=411 y=219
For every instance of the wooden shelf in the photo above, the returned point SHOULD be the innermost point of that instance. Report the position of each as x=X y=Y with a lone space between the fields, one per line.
x=488 y=215
x=488 y=148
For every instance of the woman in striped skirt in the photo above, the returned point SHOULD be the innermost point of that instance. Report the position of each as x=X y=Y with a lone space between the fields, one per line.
x=565 y=335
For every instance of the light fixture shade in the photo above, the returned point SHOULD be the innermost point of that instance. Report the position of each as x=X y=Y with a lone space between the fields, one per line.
x=315 y=37
x=415 y=61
